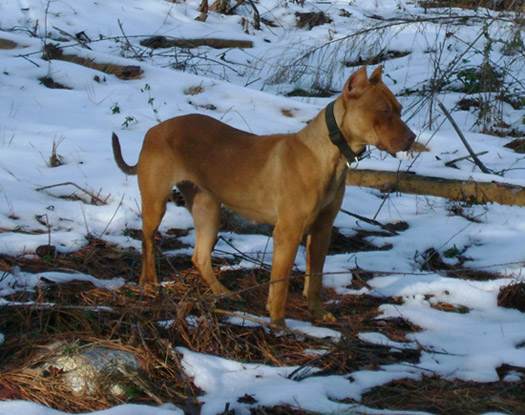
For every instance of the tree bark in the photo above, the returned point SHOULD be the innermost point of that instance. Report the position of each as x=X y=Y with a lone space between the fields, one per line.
x=120 y=71
x=157 y=42
x=464 y=190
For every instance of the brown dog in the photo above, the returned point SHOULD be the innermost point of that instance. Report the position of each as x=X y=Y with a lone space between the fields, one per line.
x=293 y=181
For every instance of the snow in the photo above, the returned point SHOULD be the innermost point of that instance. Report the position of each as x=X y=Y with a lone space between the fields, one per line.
x=382 y=340
x=25 y=281
x=30 y=408
x=241 y=87
x=249 y=320
x=466 y=346
x=225 y=381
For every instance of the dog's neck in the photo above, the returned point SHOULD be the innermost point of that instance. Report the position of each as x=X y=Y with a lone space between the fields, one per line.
x=317 y=137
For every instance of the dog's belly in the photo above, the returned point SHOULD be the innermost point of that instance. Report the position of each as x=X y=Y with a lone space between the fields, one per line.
x=254 y=213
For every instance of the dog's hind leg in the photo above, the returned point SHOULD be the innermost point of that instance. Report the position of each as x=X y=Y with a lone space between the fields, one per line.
x=154 y=198
x=205 y=209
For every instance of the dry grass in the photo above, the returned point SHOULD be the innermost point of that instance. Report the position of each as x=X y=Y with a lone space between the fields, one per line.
x=500 y=5
x=127 y=319
x=512 y=296
x=441 y=396
x=432 y=261
x=131 y=323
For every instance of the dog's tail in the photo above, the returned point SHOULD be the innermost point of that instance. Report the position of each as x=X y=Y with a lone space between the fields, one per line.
x=117 y=153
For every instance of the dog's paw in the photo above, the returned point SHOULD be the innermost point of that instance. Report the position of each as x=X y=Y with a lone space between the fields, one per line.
x=219 y=289
x=321 y=315
x=149 y=290
x=278 y=326
x=329 y=317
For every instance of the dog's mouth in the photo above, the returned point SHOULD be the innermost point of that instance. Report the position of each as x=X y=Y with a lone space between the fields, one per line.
x=393 y=151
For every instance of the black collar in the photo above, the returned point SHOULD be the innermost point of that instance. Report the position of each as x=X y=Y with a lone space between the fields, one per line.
x=337 y=138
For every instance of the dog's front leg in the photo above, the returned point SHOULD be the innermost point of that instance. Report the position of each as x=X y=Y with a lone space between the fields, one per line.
x=317 y=244
x=286 y=238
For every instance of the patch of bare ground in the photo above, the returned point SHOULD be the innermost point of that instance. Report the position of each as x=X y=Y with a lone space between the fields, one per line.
x=433 y=261
x=378 y=58
x=309 y=20
x=279 y=410
x=499 y=5
x=31 y=332
x=512 y=296
x=104 y=260
x=127 y=319
x=442 y=396
x=518 y=145
x=7 y=44
x=49 y=82
x=358 y=242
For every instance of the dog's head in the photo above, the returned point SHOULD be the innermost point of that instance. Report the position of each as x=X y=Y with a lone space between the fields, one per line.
x=373 y=114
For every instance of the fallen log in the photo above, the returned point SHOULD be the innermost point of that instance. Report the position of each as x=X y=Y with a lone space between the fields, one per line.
x=158 y=42
x=464 y=190
x=120 y=71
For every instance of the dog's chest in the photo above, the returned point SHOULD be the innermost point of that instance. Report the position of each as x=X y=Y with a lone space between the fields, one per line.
x=333 y=184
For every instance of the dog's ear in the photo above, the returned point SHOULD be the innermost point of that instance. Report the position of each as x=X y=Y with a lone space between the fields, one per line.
x=355 y=85
x=376 y=75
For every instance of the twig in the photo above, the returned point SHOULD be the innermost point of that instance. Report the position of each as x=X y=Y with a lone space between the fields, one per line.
x=29 y=60
x=399 y=22
x=95 y=199
x=256 y=16
x=451 y=162
x=369 y=221
x=137 y=54
x=112 y=216
x=463 y=139
x=72 y=37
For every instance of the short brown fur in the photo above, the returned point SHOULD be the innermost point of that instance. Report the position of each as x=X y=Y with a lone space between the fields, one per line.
x=293 y=181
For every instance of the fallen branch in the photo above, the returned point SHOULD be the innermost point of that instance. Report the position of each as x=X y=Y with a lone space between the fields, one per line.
x=158 y=42
x=463 y=139
x=464 y=190
x=120 y=71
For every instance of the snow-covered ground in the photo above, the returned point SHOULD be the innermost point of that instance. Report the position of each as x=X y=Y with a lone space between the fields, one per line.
x=241 y=87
